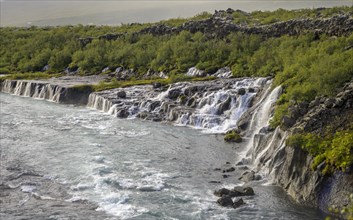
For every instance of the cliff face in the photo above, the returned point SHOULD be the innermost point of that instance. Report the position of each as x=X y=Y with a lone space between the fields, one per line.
x=290 y=167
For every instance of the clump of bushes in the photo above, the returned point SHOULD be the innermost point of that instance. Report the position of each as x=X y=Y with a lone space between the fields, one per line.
x=335 y=150
x=233 y=136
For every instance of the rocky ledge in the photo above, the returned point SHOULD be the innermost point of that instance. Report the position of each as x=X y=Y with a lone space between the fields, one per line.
x=221 y=24
x=67 y=89
x=290 y=167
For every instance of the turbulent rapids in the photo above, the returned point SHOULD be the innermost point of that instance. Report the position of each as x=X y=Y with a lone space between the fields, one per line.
x=130 y=168
x=214 y=106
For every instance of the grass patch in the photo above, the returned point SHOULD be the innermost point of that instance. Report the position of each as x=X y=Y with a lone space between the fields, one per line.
x=30 y=76
x=103 y=85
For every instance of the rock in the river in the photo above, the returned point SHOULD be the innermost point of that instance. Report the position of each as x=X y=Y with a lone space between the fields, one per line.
x=238 y=203
x=122 y=113
x=224 y=192
x=174 y=93
x=247 y=176
x=233 y=136
x=231 y=169
x=157 y=85
x=121 y=94
x=241 y=91
x=237 y=191
x=225 y=201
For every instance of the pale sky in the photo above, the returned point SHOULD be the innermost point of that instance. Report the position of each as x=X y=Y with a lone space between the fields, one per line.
x=115 y=12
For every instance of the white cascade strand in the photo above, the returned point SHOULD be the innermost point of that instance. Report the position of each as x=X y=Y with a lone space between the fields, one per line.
x=32 y=89
x=261 y=117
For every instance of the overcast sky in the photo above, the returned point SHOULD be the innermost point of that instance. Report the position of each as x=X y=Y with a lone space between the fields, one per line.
x=115 y=12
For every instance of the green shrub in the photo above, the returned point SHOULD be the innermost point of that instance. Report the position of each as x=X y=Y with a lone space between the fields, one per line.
x=335 y=150
x=4 y=70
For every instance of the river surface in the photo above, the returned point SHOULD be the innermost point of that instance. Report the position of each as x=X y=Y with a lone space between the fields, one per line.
x=131 y=169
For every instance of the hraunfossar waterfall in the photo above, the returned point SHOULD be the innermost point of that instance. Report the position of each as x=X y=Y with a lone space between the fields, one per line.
x=225 y=115
x=126 y=168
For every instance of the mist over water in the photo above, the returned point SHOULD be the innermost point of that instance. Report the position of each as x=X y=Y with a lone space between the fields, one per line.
x=105 y=12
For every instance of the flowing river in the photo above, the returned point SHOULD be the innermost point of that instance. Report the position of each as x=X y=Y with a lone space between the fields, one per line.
x=128 y=168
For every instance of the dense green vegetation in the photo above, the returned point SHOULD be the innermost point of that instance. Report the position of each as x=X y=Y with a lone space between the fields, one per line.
x=304 y=65
x=268 y=17
x=335 y=150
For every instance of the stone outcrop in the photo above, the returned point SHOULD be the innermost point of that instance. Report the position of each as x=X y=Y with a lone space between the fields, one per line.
x=290 y=167
x=221 y=24
x=68 y=90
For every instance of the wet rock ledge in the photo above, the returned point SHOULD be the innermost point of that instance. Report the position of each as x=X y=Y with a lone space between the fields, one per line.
x=67 y=90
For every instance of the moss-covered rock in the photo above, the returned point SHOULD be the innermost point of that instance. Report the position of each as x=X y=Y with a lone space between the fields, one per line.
x=233 y=136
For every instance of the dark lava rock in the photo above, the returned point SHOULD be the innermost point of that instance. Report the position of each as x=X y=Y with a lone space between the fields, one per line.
x=121 y=94
x=287 y=122
x=238 y=203
x=227 y=192
x=122 y=113
x=241 y=91
x=231 y=169
x=225 y=176
x=225 y=201
x=157 y=85
x=174 y=93
x=247 y=191
x=224 y=106
x=222 y=192
x=215 y=181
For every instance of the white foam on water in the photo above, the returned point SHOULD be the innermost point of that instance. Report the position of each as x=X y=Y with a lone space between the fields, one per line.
x=28 y=188
x=99 y=159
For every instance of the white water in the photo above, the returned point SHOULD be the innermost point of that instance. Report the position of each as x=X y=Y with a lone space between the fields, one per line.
x=130 y=169
x=261 y=116
x=32 y=89
x=215 y=111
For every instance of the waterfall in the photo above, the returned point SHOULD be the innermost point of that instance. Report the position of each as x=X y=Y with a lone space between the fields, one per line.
x=214 y=106
x=261 y=117
x=38 y=90
x=100 y=103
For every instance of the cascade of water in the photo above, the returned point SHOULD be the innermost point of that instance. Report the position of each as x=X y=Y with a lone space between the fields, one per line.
x=28 y=90
x=37 y=90
x=7 y=86
x=100 y=103
x=20 y=86
x=215 y=107
x=261 y=117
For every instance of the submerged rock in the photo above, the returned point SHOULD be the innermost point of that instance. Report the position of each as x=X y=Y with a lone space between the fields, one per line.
x=235 y=192
x=225 y=201
x=121 y=94
x=174 y=93
x=238 y=203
